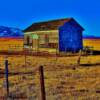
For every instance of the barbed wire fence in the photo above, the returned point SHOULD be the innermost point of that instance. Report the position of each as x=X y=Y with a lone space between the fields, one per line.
x=12 y=90
x=15 y=89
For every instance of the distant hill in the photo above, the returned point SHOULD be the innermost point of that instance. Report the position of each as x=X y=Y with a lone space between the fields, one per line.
x=90 y=37
x=7 y=32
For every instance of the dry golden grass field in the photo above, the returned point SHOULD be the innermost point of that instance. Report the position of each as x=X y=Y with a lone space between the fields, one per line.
x=11 y=44
x=95 y=43
x=64 y=80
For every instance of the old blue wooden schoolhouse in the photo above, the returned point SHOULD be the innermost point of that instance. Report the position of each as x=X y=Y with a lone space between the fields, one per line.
x=64 y=34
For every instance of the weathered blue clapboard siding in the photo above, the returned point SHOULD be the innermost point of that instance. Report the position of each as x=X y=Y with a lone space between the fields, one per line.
x=70 y=37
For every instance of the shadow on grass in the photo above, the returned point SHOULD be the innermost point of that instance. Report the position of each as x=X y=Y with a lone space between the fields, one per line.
x=96 y=52
x=89 y=65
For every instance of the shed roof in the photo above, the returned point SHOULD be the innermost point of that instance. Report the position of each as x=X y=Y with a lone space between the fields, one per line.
x=48 y=25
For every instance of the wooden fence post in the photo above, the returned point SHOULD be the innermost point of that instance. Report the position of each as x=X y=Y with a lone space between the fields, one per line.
x=6 y=76
x=43 y=94
x=25 y=57
x=79 y=57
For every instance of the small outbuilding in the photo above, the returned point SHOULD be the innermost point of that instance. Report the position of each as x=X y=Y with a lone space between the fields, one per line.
x=63 y=34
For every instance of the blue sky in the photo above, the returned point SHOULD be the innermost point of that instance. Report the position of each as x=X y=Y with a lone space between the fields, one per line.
x=22 y=13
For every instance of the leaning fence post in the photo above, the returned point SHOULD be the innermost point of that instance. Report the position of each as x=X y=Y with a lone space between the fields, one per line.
x=43 y=94
x=79 y=57
x=6 y=76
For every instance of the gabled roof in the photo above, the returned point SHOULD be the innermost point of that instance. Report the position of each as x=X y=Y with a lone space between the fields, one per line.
x=48 y=25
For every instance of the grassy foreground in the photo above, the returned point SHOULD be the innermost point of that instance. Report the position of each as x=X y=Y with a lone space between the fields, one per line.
x=64 y=80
